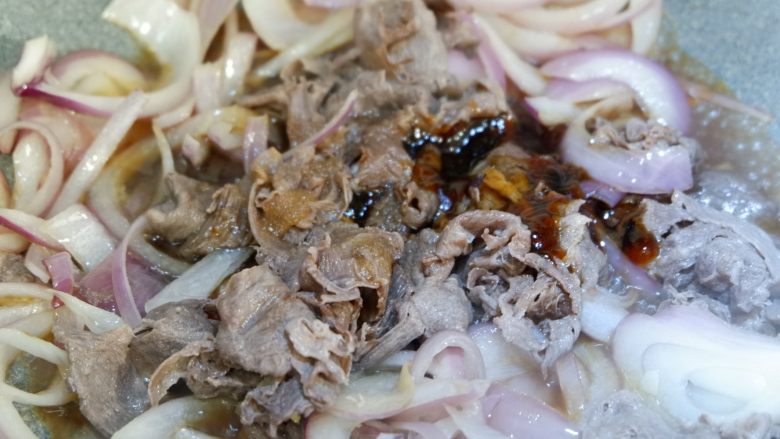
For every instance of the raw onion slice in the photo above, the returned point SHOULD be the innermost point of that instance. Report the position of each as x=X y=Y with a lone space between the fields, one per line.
x=518 y=415
x=48 y=189
x=30 y=227
x=126 y=302
x=199 y=281
x=333 y=125
x=96 y=72
x=170 y=33
x=632 y=274
x=281 y=24
x=436 y=344
x=573 y=20
x=62 y=271
x=525 y=76
x=104 y=200
x=85 y=238
x=103 y=147
x=33 y=262
x=164 y=420
x=657 y=171
x=334 y=31
x=37 y=54
x=658 y=91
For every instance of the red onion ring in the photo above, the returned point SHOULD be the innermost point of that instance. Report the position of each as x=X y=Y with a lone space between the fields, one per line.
x=29 y=227
x=37 y=55
x=102 y=148
x=435 y=345
x=51 y=185
x=62 y=271
x=71 y=69
x=123 y=293
x=641 y=172
x=9 y=112
x=658 y=91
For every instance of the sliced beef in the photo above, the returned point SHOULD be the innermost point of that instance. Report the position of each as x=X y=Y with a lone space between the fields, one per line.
x=639 y=135
x=255 y=307
x=274 y=404
x=12 y=269
x=200 y=217
x=401 y=38
x=534 y=300
x=111 y=391
x=269 y=332
x=712 y=253
x=166 y=330
x=352 y=264
x=206 y=374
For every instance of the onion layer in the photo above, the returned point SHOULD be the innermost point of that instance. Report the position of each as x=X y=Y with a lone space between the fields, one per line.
x=658 y=91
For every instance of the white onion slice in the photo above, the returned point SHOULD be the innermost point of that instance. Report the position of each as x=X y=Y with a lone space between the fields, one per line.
x=100 y=151
x=30 y=227
x=33 y=261
x=166 y=419
x=532 y=43
x=170 y=33
x=11 y=423
x=436 y=344
x=573 y=383
x=323 y=425
x=30 y=163
x=585 y=91
x=255 y=140
x=525 y=76
x=519 y=415
x=126 y=302
x=85 y=238
x=694 y=364
x=202 y=278
x=573 y=20
x=211 y=14
x=645 y=27
x=51 y=184
x=599 y=318
x=502 y=359
x=37 y=54
x=499 y=6
x=104 y=72
x=104 y=201
x=658 y=91
x=334 y=31
x=281 y=24
x=375 y=396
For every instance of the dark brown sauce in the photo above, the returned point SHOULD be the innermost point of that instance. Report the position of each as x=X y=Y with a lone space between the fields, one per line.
x=623 y=225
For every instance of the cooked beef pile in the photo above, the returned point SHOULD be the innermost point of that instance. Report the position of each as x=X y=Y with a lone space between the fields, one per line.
x=426 y=211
